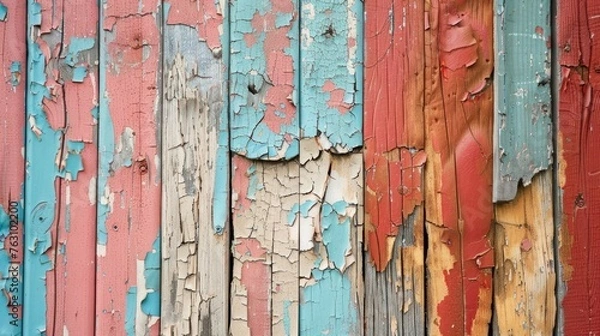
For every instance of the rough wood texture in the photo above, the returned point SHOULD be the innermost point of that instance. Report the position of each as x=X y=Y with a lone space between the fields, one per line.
x=61 y=158
x=579 y=163
x=524 y=280
x=13 y=44
x=458 y=112
x=394 y=128
x=129 y=187
x=264 y=290
x=329 y=215
x=264 y=62
x=195 y=264
x=523 y=123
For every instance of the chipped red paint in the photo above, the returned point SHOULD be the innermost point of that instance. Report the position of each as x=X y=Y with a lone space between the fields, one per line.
x=336 y=97
x=201 y=15
x=240 y=183
x=256 y=279
x=133 y=187
x=394 y=128
x=579 y=140
x=462 y=137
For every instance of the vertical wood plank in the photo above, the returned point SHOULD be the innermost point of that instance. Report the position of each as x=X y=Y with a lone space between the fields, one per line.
x=525 y=277
x=523 y=122
x=327 y=212
x=129 y=177
x=264 y=77
x=61 y=167
x=578 y=143
x=13 y=43
x=264 y=290
x=459 y=212
x=524 y=280
x=394 y=159
x=195 y=235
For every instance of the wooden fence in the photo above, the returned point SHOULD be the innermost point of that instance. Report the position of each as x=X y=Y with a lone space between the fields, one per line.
x=299 y=167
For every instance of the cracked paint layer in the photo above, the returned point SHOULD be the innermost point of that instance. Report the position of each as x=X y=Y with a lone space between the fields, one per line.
x=264 y=288
x=61 y=162
x=129 y=176
x=13 y=43
x=195 y=160
x=579 y=163
x=394 y=125
x=264 y=56
x=523 y=123
x=459 y=211
x=331 y=66
x=331 y=265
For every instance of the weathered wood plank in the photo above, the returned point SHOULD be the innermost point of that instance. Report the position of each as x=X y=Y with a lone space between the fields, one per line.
x=13 y=43
x=129 y=187
x=394 y=129
x=524 y=280
x=330 y=220
x=394 y=159
x=579 y=163
x=264 y=79
x=523 y=121
x=61 y=158
x=195 y=235
x=458 y=113
x=265 y=286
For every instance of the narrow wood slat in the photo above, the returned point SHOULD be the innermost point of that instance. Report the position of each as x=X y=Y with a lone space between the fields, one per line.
x=523 y=120
x=459 y=212
x=394 y=160
x=61 y=156
x=524 y=279
x=129 y=177
x=13 y=43
x=195 y=207
x=579 y=163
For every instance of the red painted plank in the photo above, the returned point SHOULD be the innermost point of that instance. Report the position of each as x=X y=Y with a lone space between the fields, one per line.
x=394 y=129
x=459 y=178
x=579 y=144
x=12 y=173
x=129 y=192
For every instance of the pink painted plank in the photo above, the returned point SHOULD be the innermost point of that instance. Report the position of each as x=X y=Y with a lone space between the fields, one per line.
x=129 y=190
x=12 y=109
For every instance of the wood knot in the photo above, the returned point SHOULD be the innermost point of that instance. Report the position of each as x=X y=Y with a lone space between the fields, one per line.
x=329 y=32
x=579 y=201
x=142 y=165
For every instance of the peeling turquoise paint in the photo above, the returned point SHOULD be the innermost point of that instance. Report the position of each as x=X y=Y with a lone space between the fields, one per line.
x=76 y=46
x=523 y=102
x=286 y=317
x=79 y=74
x=250 y=86
x=106 y=142
x=15 y=73
x=3 y=12
x=42 y=147
x=74 y=163
x=151 y=303
x=327 y=306
x=221 y=205
x=331 y=97
x=254 y=184
x=301 y=209
x=130 y=313
x=336 y=232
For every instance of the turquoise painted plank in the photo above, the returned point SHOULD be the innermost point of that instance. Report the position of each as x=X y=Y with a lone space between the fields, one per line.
x=331 y=66
x=523 y=120
x=264 y=79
